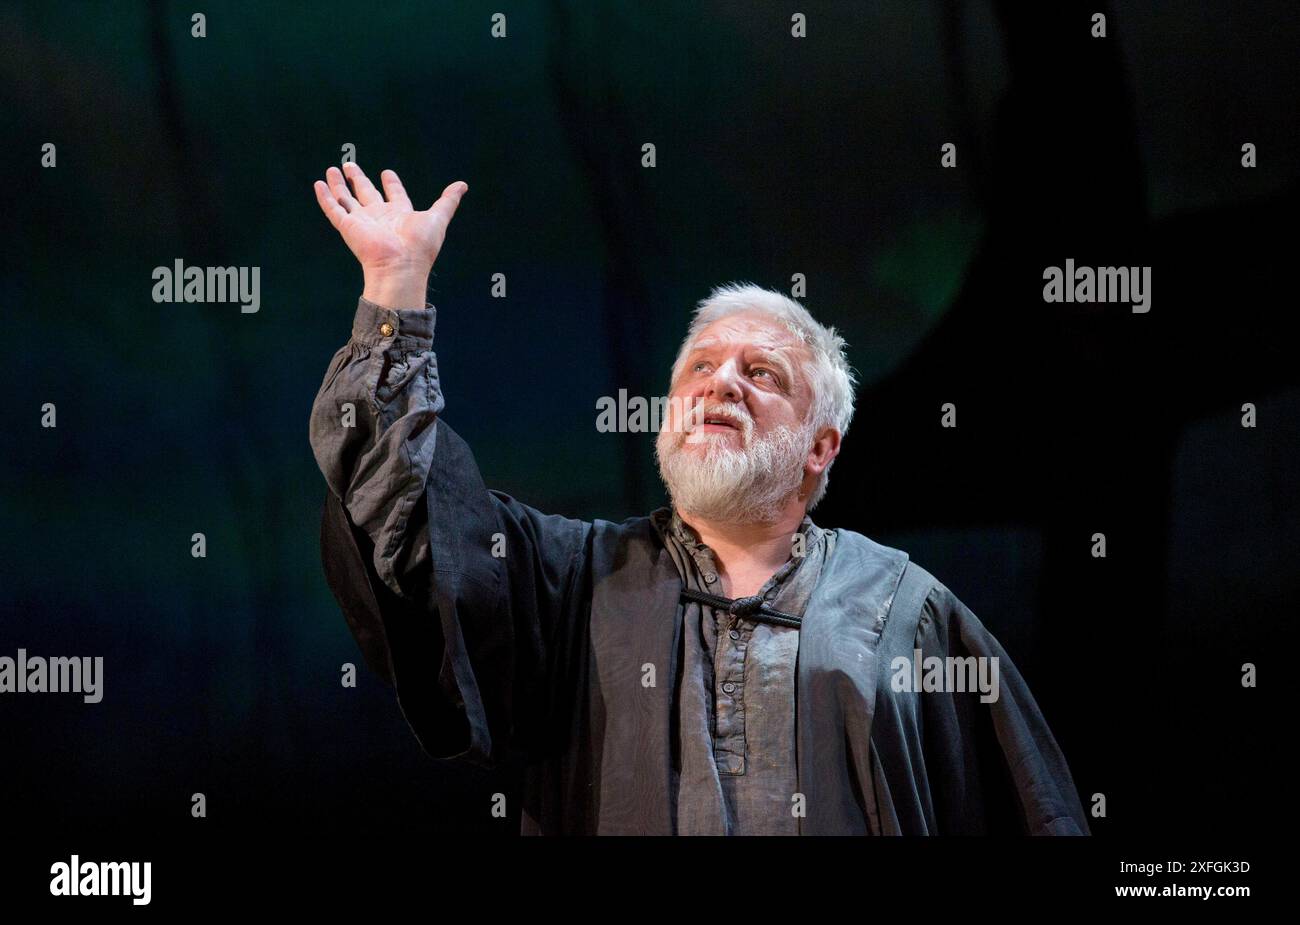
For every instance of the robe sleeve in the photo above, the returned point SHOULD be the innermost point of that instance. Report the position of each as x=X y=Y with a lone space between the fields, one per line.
x=508 y=593
x=470 y=605
x=372 y=432
x=993 y=768
x=486 y=667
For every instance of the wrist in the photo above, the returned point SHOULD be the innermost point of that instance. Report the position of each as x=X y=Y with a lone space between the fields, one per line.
x=396 y=288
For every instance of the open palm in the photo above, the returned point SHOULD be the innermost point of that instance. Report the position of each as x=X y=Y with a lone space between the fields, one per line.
x=384 y=231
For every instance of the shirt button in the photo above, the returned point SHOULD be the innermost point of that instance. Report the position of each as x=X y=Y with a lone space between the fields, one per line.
x=734 y=634
x=728 y=688
x=386 y=329
x=710 y=577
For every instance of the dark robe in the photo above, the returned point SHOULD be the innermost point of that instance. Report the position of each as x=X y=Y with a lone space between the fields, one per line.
x=544 y=652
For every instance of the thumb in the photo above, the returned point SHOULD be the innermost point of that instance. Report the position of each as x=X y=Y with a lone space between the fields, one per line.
x=446 y=205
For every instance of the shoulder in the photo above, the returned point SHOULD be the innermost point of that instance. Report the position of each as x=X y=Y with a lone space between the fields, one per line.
x=918 y=600
x=623 y=531
x=861 y=576
x=617 y=541
x=856 y=553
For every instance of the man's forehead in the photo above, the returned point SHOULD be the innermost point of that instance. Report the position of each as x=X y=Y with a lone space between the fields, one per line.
x=749 y=329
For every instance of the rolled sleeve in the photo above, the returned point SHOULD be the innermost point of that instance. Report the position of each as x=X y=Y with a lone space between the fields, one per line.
x=372 y=429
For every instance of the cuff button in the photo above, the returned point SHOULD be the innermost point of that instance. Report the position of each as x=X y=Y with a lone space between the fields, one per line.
x=386 y=329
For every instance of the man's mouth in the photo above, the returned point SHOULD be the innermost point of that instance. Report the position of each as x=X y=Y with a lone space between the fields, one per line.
x=716 y=424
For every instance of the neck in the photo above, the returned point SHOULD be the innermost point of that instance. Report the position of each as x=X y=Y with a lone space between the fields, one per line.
x=748 y=553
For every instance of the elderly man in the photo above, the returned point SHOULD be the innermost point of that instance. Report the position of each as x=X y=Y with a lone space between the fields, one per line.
x=722 y=666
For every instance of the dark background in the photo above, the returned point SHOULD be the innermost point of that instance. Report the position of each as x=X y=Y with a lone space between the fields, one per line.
x=776 y=156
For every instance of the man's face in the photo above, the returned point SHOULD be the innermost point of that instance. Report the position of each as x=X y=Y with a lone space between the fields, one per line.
x=746 y=372
x=737 y=440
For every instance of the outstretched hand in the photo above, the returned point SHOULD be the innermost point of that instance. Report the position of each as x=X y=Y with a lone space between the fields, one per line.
x=395 y=244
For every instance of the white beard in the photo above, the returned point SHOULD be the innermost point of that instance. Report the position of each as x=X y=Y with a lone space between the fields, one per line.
x=748 y=485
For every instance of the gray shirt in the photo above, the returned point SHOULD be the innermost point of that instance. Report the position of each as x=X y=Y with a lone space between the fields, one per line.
x=735 y=760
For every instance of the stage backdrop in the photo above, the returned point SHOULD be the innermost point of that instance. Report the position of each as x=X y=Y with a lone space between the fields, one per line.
x=806 y=156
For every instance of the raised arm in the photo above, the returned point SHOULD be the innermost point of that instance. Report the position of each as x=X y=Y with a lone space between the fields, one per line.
x=372 y=422
x=462 y=598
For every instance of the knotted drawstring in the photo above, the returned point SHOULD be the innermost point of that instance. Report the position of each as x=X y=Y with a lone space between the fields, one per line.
x=749 y=608
x=744 y=606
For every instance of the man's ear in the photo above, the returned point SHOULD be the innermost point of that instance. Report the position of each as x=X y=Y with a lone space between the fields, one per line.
x=825 y=448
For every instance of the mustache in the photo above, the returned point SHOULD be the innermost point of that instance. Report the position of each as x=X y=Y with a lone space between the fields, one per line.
x=718 y=411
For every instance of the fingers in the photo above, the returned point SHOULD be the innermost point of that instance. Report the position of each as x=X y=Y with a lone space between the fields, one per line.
x=339 y=187
x=337 y=201
x=366 y=191
x=328 y=204
x=393 y=189
x=446 y=205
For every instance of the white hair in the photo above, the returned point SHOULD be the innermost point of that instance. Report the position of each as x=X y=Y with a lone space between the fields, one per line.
x=831 y=378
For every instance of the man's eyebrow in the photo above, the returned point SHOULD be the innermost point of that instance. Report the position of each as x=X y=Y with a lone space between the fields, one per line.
x=775 y=354
x=777 y=357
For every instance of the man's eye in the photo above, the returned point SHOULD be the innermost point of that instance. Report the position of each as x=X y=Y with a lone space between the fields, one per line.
x=764 y=370
x=699 y=367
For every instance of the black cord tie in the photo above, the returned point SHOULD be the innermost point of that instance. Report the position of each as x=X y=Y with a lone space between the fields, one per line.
x=744 y=606
x=749 y=608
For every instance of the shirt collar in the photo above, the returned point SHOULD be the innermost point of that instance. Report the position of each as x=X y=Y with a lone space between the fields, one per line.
x=669 y=523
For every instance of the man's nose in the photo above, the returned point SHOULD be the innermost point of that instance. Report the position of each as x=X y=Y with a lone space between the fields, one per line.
x=724 y=384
